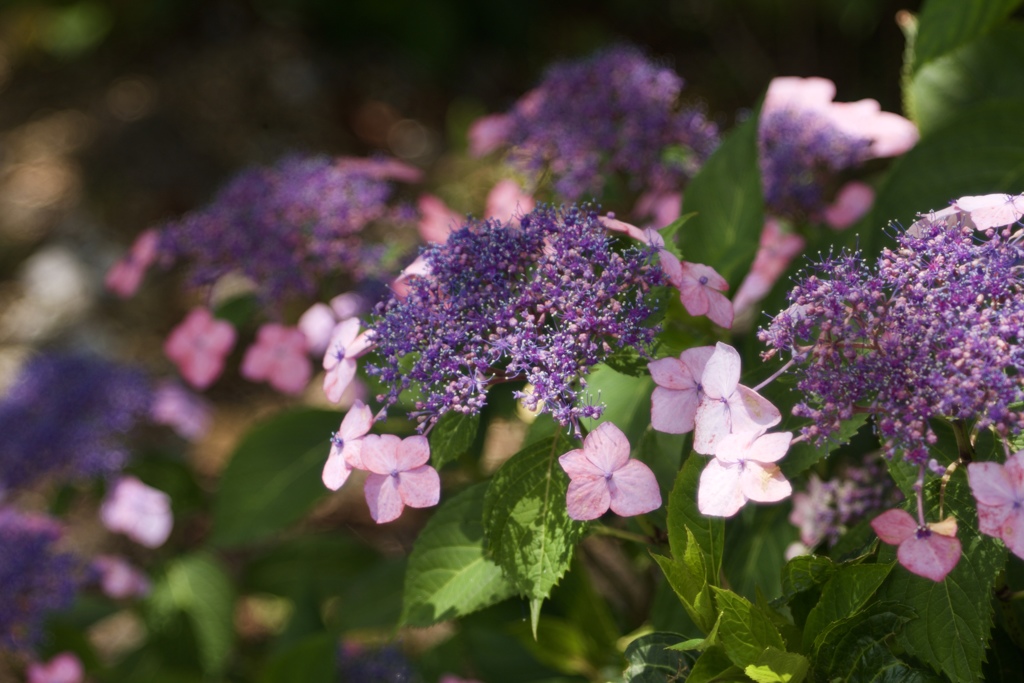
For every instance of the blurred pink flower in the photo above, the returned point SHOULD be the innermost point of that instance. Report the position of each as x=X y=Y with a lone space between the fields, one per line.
x=346 y=346
x=488 y=133
x=140 y=512
x=853 y=200
x=727 y=407
x=317 y=324
x=662 y=208
x=930 y=551
x=199 y=346
x=180 y=409
x=119 y=579
x=436 y=220
x=399 y=475
x=346 y=444
x=506 y=200
x=774 y=254
x=279 y=358
x=675 y=399
x=743 y=469
x=602 y=476
x=448 y=678
x=645 y=235
x=63 y=668
x=125 y=276
x=381 y=168
x=999 y=492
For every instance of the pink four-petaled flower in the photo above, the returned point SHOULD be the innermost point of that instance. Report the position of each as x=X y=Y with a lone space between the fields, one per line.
x=63 y=668
x=602 y=476
x=999 y=492
x=743 y=469
x=700 y=289
x=199 y=345
x=346 y=346
x=279 y=358
x=677 y=395
x=140 y=512
x=399 y=475
x=930 y=551
x=346 y=444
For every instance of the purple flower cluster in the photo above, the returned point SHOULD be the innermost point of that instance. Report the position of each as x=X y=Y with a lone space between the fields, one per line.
x=35 y=578
x=357 y=664
x=67 y=415
x=932 y=330
x=541 y=300
x=614 y=113
x=829 y=508
x=289 y=226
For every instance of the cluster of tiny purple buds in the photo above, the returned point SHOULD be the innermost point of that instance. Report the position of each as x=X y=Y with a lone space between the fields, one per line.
x=359 y=663
x=288 y=227
x=801 y=155
x=829 y=508
x=540 y=299
x=35 y=578
x=68 y=416
x=931 y=330
x=615 y=113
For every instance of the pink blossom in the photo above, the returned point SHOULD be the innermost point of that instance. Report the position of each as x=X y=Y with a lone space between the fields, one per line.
x=488 y=133
x=436 y=220
x=180 y=409
x=119 y=579
x=448 y=678
x=700 y=289
x=674 y=401
x=382 y=168
x=317 y=324
x=418 y=268
x=125 y=276
x=602 y=476
x=140 y=512
x=347 y=345
x=506 y=200
x=199 y=346
x=348 y=305
x=743 y=469
x=992 y=210
x=63 y=668
x=662 y=208
x=727 y=407
x=774 y=254
x=346 y=444
x=279 y=358
x=930 y=551
x=399 y=475
x=645 y=235
x=999 y=492
x=853 y=200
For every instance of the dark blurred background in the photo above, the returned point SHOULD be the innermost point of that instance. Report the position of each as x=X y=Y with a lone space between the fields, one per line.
x=117 y=114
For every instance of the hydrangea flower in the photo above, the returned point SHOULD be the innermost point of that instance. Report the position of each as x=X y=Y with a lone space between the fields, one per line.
x=118 y=578
x=291 y=225
x=65 y=667
x=347 y=345
x=180 y=409
x=806 y=140
x=199 y=346
x=140 y=512
x=69 y=415
x=700 y=290
x=279 y=357
x=35 y=578
x=999 y=492
x=540 y=300
x=125 y=276
x=678 y=392
x=743 y=469
x=615 y=113
x=602 y=476
x=346 y=444
x=775 y=251
x=943 y=308
x=928 y=550
x=398 y=475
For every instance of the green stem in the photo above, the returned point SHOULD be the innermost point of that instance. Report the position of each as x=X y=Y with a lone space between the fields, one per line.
x=603 y=530
x=963 y=443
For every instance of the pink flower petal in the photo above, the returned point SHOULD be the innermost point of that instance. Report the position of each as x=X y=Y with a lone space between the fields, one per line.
x=711 y=423
x=894 y=526
x=634 y=490
x=336 y=470
x=662 y=208
x=672 y=373
x=930 y=554
x=588 y=497
x=607 y=447
x=1012 y=532
x=383 y=497
x=721 y=373
x=992 y=210
x=751 y=412
x=317 y=324
x=576 y=464
x=673 y=412
x=420 y=487
x=718 y=493
x=337 y=350
x=412 y=452
x=379 y=453
x=138 y=511
x=720 y=310
x=507 y=200
x=64 y=668
x=357 y=421
x=764 y=483
x=852 y=201
x=436 y=220
x=489 y=133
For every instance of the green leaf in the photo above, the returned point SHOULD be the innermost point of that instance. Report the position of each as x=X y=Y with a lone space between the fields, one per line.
x=714 y=666
x=726 y=197
x=321 y=566
x=979 y=151
x=755 y=549
x=778 y=666
x=692 y=589
x=311 y=660
x=805 y=572
x=987 y=68
x=452 y=436
x=528 y=529
x=562 y=645
x=273 y=478
x=955 y=615
x=944 y=25
x=196 y=586
x=804 y=454
x=652 y=660
x=448 y=575
x=744 y=630
x=371 y=600
x=844 y=595
x=684 y=519
x=627 y=400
